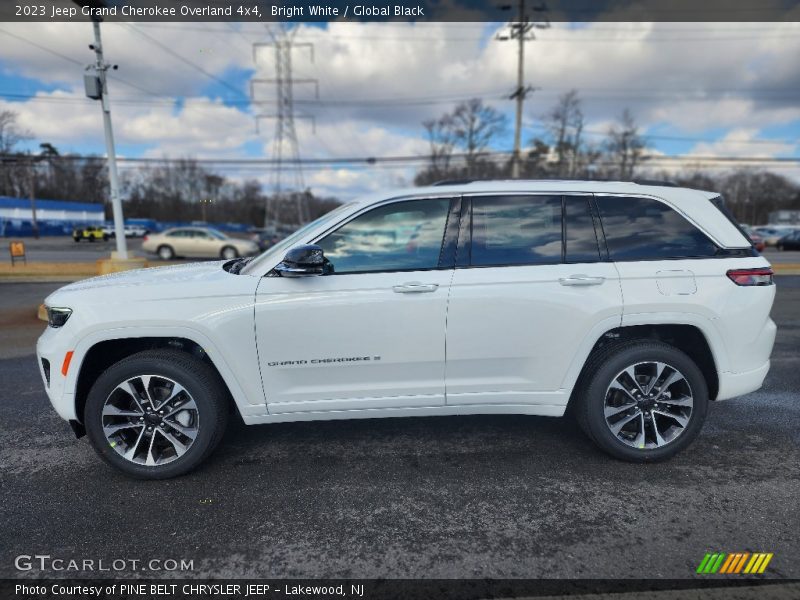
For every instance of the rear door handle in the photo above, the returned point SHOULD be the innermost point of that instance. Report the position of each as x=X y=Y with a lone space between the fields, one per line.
x=415 y=287
x=581 y=280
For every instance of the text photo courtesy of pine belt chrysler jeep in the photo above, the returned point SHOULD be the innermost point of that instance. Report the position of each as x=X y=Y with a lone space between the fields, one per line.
x=629 y=305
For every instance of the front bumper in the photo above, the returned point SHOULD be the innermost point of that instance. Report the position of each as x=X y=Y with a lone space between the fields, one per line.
x=53 y=346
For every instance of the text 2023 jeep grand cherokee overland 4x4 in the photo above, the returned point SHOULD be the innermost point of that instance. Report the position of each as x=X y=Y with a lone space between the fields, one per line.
x=632 y=305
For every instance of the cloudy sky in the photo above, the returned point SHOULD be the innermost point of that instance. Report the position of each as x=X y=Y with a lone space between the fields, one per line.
x=725 y=89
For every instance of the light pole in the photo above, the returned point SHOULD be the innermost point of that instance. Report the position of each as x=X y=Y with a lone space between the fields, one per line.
x=96 y=85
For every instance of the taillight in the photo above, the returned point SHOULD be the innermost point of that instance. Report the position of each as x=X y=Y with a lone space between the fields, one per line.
x=144 y=239
x=759 y=276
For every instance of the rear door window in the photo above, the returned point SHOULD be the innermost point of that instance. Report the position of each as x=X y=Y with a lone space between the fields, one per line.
x=516 y=230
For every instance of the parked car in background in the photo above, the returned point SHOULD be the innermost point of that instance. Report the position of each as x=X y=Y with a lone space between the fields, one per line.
x=758 y=241
x=265 y=239
x=197 y=242
x=772 y=233
x=91 y=233
x=131 y=231
x=789 y=242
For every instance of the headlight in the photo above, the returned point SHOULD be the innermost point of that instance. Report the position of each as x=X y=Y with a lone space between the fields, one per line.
x=56 y=317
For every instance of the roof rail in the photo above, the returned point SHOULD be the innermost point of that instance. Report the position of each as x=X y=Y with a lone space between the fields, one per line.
x=454 y=182
x=656 y=182
x=660 y=182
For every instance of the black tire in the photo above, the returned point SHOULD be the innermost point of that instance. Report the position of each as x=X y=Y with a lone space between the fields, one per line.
x=77 y=239
x=198 y=379
x=105 y=237
x=602 y=369
x=91 y=239
x=165 y=252
x=228 y=253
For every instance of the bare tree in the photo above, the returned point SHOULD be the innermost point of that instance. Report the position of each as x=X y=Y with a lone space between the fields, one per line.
x=625 y=145
x=565 y=126
x=10 y=133
x=474 y=126
x=442 y=143
x=14 y=170
x=469 y=130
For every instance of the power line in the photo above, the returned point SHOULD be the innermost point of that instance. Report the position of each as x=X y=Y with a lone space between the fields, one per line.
x=75 y=62
x=414 y=158
x=184 y=60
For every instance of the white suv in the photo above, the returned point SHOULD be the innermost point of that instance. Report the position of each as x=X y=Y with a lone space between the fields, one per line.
x=632 y=305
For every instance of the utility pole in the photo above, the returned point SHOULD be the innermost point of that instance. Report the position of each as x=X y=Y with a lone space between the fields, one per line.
x=96 y=85
x=284 y=143
x=522 y=31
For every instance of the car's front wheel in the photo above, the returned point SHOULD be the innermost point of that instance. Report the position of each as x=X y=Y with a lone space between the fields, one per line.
x=156 y=414
x=642 y=401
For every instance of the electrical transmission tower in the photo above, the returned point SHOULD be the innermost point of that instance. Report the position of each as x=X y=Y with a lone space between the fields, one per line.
x=287 y=177
x=522 y=31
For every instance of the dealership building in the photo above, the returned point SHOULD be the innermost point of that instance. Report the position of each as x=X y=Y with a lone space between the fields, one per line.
x=54 y=217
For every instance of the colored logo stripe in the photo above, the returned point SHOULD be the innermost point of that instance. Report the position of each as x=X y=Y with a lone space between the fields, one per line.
x=758 y=564
x=734 y=563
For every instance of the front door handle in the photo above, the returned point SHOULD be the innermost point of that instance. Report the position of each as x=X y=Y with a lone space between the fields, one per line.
x=581 y=280
x=415 y=287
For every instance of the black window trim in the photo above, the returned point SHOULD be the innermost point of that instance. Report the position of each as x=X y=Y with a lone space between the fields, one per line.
x=454 y=207
x=464 y=258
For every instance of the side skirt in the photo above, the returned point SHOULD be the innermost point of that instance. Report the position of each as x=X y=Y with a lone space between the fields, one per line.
x=545 y=410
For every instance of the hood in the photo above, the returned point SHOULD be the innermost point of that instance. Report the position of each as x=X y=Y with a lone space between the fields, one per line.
x=173 y=274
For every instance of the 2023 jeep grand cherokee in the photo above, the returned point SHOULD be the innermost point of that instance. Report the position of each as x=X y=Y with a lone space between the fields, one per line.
x=631 y=305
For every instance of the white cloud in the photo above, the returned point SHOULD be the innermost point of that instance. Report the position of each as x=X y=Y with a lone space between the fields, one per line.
x=743 y=141
x=688 y=78
x=201 y=127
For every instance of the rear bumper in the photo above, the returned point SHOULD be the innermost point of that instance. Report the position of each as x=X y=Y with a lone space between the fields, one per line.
x=738 y=384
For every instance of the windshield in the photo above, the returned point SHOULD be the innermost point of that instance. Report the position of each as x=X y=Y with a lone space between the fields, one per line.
x=216 y=233
x=290 y=241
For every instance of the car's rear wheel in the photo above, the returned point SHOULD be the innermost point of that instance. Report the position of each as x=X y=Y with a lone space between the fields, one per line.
x=156 y=414
x=166 y=252
x=229 y=252
x=642 y=401
x=76 y=238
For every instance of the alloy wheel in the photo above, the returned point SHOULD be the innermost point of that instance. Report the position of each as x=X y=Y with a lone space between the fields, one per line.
x=648 y=405
x=150 y=420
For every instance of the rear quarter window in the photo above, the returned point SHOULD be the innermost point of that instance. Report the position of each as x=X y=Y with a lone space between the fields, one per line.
x=647 y=229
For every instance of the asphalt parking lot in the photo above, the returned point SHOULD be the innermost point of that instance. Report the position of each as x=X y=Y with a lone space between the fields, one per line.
x=465 y=497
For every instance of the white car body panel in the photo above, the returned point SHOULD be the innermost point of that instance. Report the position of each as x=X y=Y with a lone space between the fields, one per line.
x=512 y=331
x=399 y=339
x=463 y=349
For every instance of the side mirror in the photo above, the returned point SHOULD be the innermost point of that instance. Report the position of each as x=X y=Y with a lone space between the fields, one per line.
x=302 y=261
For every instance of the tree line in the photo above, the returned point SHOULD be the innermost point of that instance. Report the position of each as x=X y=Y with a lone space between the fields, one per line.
x=461 y=144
